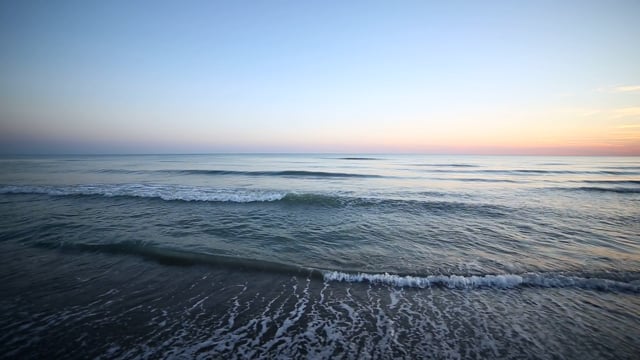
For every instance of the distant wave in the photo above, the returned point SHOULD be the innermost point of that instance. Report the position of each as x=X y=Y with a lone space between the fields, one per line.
x=358 y=158
x=432 y=168
x=620 y=182
x=286 y=173
x=536 y=172
x=481 y=180
x=619 y=190
x=188 y=193
x=559 y=172
x=293 y=173
x=624 y=167
x=448 y=165
x=121 y=171
x=175 y=257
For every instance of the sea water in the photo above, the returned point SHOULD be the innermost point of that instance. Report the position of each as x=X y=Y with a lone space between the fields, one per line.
x=319 y=256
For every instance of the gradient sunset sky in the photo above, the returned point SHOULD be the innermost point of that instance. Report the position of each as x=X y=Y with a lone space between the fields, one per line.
x=453 y=77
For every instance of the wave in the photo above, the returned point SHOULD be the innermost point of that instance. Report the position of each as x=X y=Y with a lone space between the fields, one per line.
x=456 y=169
x=623 y=282
x=618 y=190
x=522 y=172
x=559 y=172
x=449 y=165
x=481 y=180
x=290 y=173
x=164 y=192
x=358 y=158
x=502 y=281
x=189 y=194
x=624 y=167
x=621 y=182
x=176 y=257
x=286 y=173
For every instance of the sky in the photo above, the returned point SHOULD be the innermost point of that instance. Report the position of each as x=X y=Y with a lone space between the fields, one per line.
x=436 y=77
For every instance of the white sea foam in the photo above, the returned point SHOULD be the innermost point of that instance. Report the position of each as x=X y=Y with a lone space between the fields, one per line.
x=493 y=281
x=452 y=281
x=164 y=192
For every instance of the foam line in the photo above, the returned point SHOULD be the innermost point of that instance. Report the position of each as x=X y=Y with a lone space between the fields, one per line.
x=503 y=281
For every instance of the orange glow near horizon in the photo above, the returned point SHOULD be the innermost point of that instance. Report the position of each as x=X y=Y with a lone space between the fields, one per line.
x=577 y=135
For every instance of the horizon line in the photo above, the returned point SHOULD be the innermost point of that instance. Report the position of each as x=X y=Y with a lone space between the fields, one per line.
x=21 y=154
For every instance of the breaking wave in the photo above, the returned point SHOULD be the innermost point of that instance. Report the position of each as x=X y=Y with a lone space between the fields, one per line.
x=164 y=192
x=503 y=281
x=202 y=194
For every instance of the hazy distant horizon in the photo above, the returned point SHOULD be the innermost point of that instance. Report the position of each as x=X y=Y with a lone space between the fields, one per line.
x=275 y=153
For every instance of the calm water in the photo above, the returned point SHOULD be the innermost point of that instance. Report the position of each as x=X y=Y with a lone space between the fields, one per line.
x=320 y=256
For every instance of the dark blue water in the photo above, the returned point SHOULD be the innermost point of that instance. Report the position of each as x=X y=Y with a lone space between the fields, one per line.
x=320 y=256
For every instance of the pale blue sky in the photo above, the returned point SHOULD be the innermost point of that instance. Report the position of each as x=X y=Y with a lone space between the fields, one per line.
x=369 y=76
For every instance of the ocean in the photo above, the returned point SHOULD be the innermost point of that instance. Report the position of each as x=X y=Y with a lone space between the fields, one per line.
x=319 y=256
